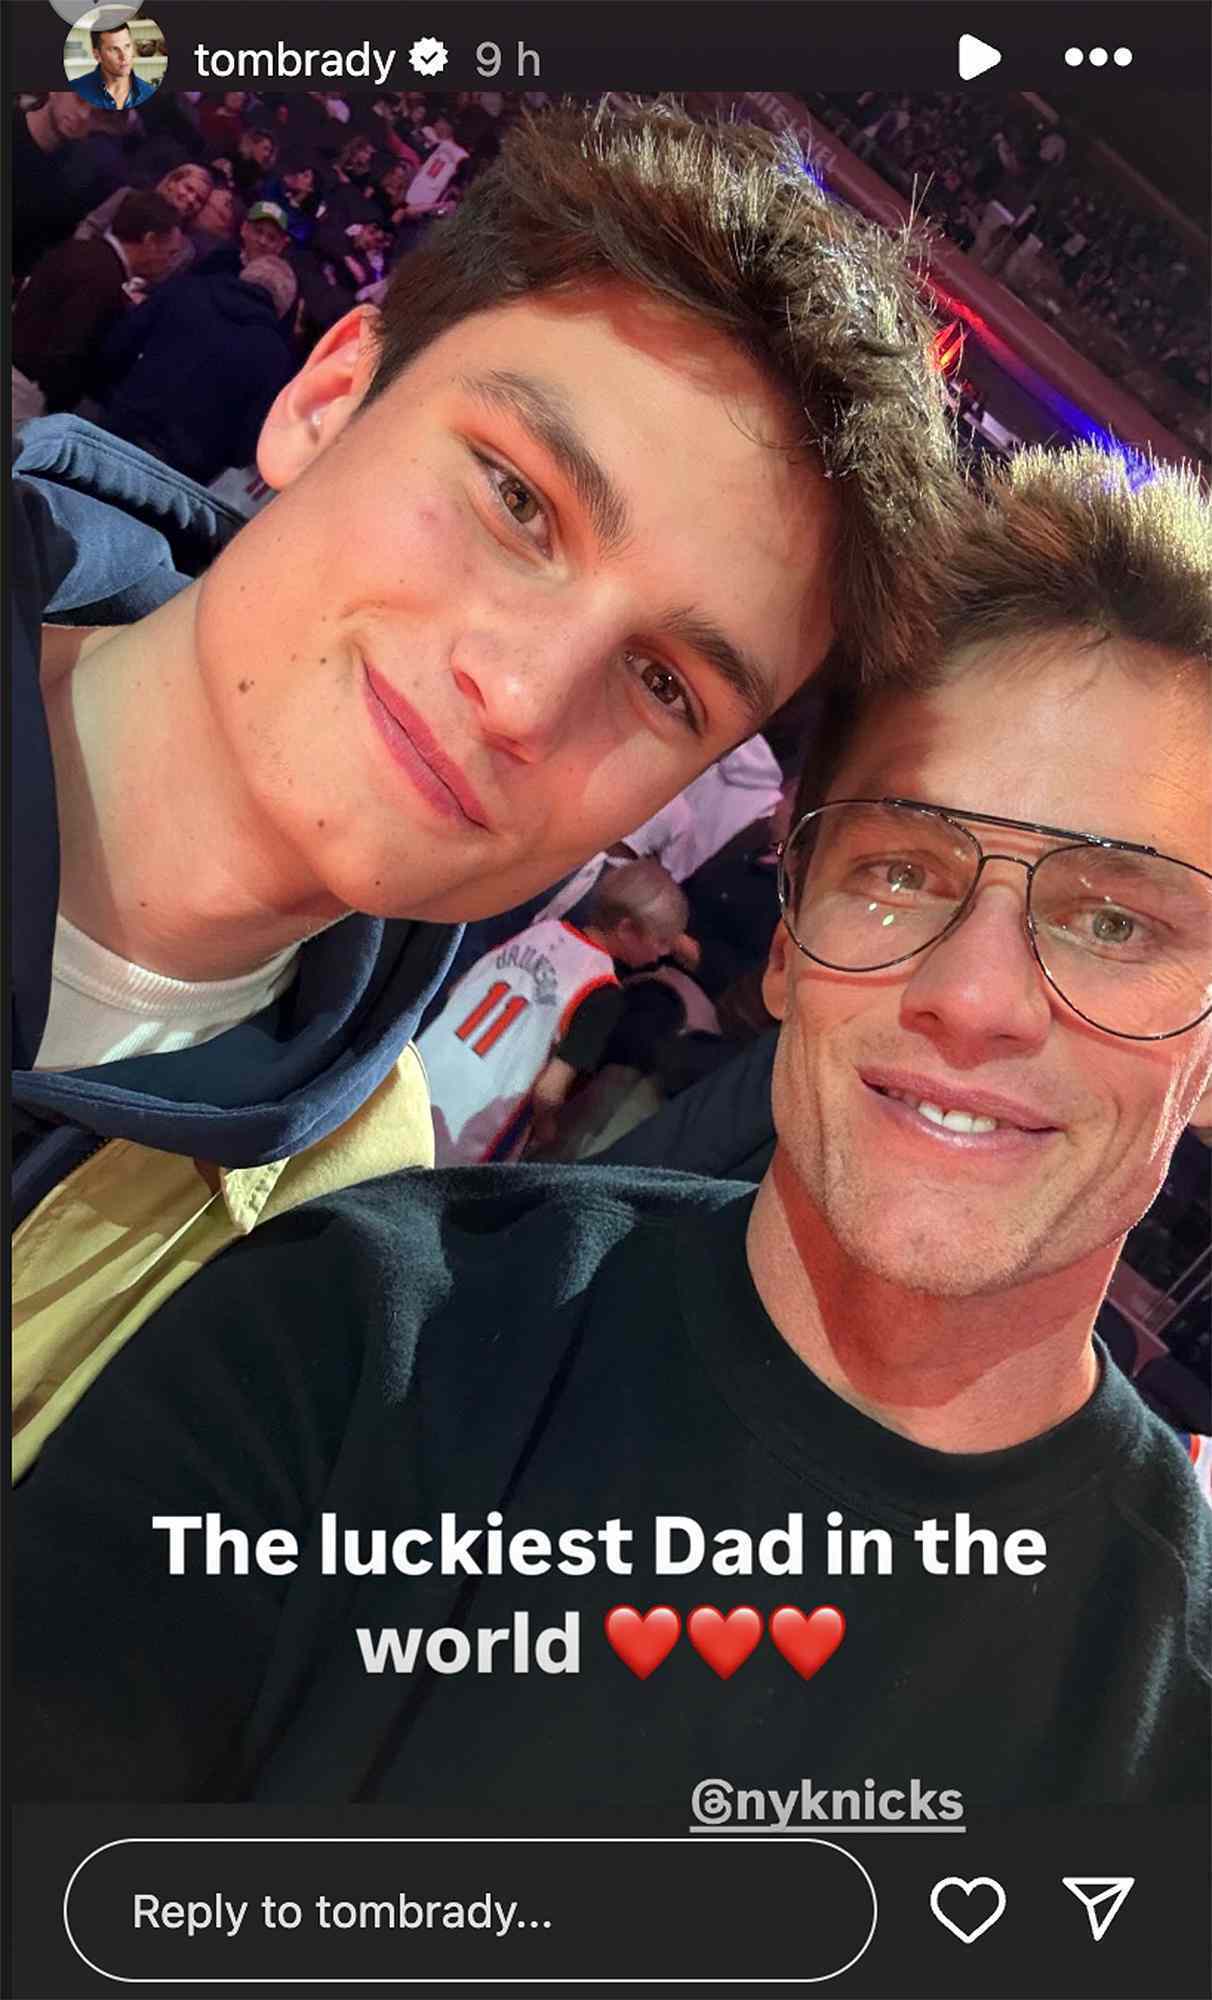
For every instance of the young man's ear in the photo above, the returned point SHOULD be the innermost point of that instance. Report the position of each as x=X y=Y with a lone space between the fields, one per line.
x=319 y=401
x=776 y=978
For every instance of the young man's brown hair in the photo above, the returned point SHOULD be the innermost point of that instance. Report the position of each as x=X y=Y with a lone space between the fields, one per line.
x=1075 y=541
x=724 y=222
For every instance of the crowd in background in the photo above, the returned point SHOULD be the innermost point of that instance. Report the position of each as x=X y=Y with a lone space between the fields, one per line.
x=173 y=266
x=1027 y=197
x=172 y=269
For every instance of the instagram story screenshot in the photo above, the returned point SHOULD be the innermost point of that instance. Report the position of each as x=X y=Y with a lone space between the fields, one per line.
x=609 y=922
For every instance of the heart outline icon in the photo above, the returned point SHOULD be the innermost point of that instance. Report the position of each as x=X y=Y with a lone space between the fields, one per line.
x=806 y=1643
x=724 y=1642
x=644 y=1642
x=977 y=1882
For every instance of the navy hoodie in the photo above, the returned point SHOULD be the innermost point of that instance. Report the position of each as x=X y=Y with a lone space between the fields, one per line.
x=102 y=534
x=196 y=369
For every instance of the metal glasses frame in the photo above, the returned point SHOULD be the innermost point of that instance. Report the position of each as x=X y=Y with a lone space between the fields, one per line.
x=1071 y=842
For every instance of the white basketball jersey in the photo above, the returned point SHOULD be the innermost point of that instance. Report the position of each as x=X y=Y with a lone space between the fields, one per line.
x=496 y=1032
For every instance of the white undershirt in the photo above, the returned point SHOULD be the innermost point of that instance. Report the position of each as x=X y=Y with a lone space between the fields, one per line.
x=103 y=1008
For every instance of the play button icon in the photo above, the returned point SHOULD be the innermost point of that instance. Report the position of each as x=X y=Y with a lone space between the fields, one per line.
x=975 y=57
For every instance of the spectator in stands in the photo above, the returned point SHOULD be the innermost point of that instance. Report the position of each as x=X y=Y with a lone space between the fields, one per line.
x=386 y=113
x=264 y=232
x=221 y=119
x=250 y=160
x=44 y=203
x=393 y=193
x=219 y=221
x=536 y=1012
x=351 y=195
x=296 y=191
x=740 y=788
x=743 y=786
x=414 y=124
x=366 y=255
x=114 y=84
x=435 y=181
x=80 y=288
x=197 y=368
x=187 y=189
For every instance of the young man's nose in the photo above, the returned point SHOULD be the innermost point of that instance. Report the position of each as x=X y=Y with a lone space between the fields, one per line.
x=979 y=992
x=528 y=687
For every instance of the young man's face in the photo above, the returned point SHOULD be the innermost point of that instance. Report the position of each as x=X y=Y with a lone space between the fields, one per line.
x=1072 y=741
x=504 y=613
x=116 y=53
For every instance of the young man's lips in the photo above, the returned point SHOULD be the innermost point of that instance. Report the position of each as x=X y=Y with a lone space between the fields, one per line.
x=396 y=719
x=913 y=1089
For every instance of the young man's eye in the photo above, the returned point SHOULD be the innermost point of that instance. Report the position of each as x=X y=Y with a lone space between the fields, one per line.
x=519 y=501
x=665 y=687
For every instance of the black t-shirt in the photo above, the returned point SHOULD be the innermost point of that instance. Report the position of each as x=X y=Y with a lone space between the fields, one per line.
x=573 y=1347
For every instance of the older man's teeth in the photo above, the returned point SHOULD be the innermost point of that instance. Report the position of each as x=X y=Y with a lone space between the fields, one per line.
x=955 y=1121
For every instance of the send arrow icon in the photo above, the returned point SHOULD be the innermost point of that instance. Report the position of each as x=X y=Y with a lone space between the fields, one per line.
x=975 y=57
x=1103 y=1897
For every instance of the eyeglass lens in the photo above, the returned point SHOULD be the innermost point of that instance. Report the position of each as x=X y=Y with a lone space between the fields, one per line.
x=1125 y=938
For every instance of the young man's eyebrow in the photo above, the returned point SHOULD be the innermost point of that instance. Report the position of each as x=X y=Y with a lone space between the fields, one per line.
x=541 y=409
x=752 y=683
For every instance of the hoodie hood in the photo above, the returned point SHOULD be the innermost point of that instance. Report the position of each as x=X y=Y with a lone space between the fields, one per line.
x=240 y=304
x=102 y=533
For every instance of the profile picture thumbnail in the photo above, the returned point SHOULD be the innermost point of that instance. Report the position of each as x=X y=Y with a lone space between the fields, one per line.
x=115 y=58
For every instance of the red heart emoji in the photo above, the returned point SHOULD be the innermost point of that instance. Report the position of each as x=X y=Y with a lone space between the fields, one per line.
x=725 y=1643
x=806 y=1643
x=642 y=1643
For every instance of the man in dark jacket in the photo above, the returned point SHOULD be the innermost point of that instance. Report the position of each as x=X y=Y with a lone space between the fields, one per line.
x=414 y=686
x=197 y=368
x=80 y=288
x=44 y=202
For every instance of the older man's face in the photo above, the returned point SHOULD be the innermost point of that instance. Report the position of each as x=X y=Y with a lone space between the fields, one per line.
x=116 y=54
x=1113 y=742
